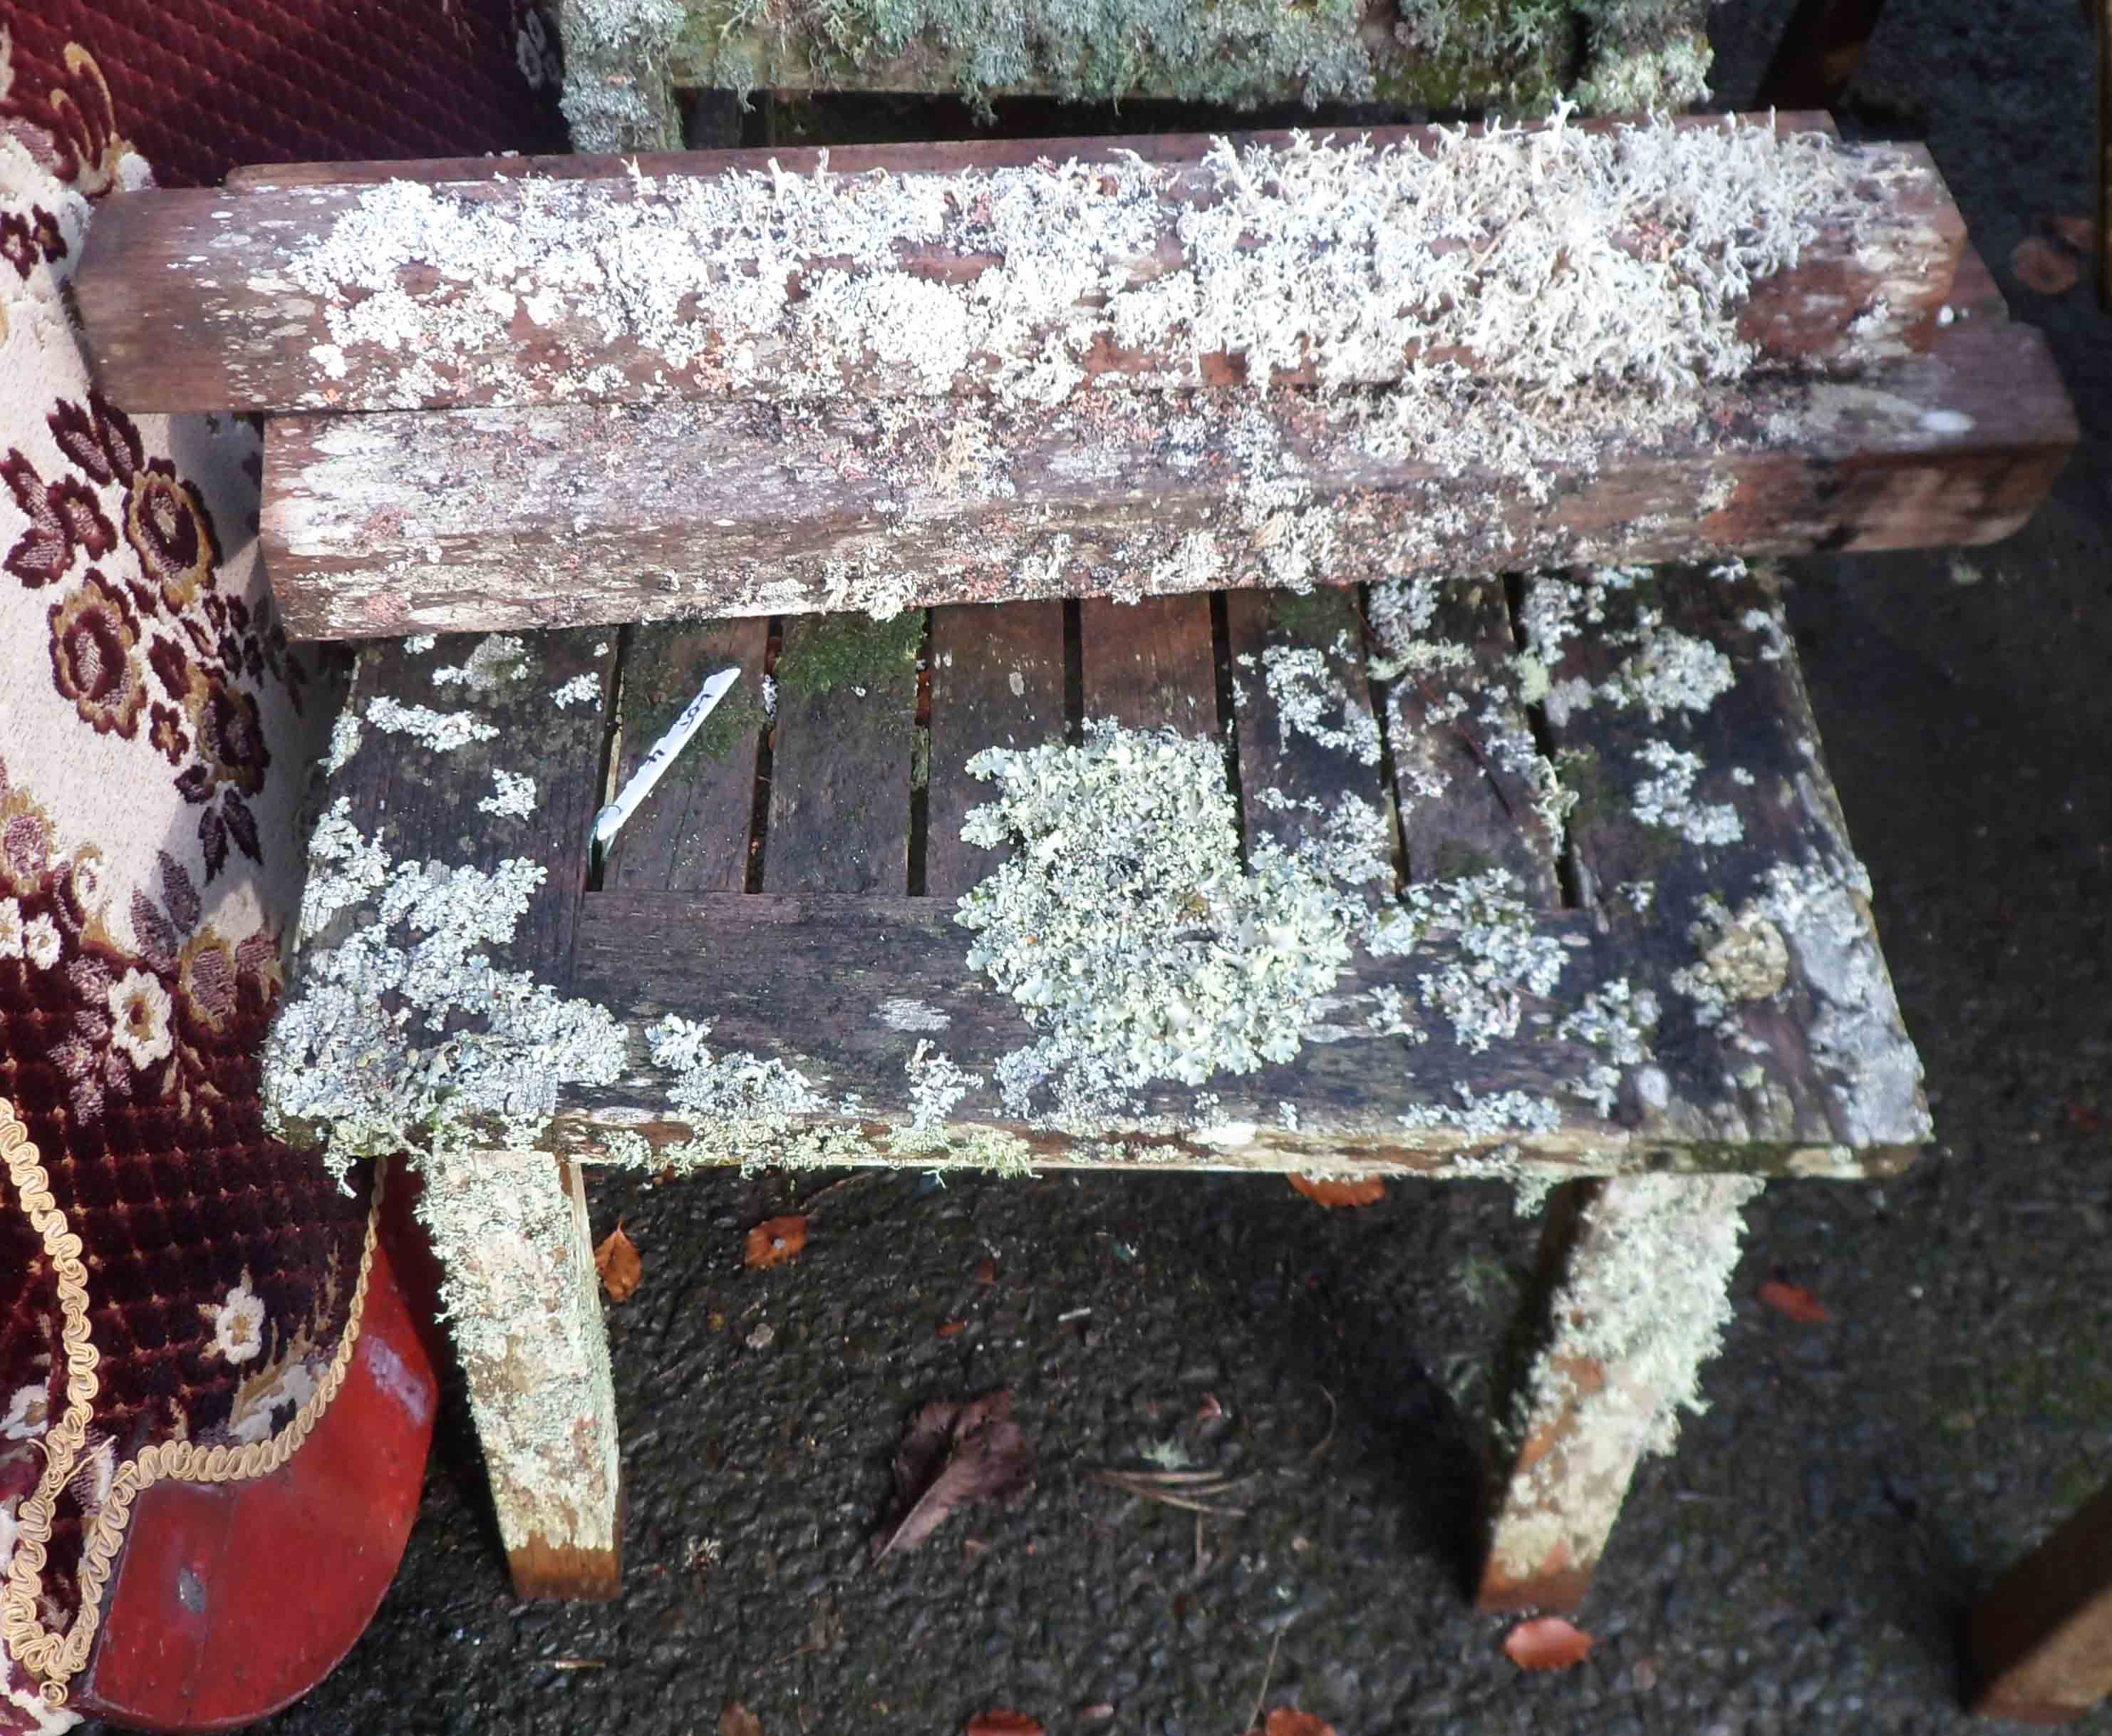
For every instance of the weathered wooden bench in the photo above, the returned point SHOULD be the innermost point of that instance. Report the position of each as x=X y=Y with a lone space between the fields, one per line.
x=1408 y=873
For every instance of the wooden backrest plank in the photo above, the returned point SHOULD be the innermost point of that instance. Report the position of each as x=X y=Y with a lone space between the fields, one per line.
x=691 y=833
x=208 y=299
x=1149 y=664
x=1464 y=756
x=392 y=523
x=997 y=681
x=840 y=755
x=1709 y=846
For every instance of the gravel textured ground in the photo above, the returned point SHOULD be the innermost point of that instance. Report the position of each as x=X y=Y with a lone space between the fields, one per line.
x=1802 y=1563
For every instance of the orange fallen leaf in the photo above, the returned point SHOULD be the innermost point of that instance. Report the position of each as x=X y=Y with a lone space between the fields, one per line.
x=985 y=1271
x=1003 y=1722
x=1547 y=1642
x=1283 y=1721
x=737 y=1720
x=949 y=1328
x=773 y=1242
x=1363 y=1193
x=2085 y=1120
x=1793 y=1302
x=616 y=1259
x=2039 y=265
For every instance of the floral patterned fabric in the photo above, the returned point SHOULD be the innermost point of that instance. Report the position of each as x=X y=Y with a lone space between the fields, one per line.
x=170 y=1279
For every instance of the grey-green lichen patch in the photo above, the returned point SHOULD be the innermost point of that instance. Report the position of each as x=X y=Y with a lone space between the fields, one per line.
x=1661 y=79
x=497 y=663
x=1641 y=1309
x=935 y=1086
x=1617 y=1020
x=1237 y=52
x=617 y=95
x=737 y=1086
x=1489 y=1115
x=345 y=736
x=829 y=651
x=403 y=1036
x=442 y=732
x=582 y=689
x=1125 y=926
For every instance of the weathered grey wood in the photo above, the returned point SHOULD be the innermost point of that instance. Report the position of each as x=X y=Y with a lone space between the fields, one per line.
x=1463 y=759
x=691 y=834
x=2039 y=1641
x=524 y=1305
x=840 y=772
x=1638 y=1307
x=205 y=273
x=390 y=524
x=421 y=804
x=810 y=979
x=1150 y=664
x=1310 y=777
x=1782 y=997
x=997 y=681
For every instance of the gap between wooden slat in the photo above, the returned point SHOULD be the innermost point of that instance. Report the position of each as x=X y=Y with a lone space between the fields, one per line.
x=920 y=789
x=1566 y=879
x=758 y=825
x=1228 y=725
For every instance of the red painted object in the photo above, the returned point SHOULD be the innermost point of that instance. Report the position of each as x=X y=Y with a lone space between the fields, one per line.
x=233 y=1600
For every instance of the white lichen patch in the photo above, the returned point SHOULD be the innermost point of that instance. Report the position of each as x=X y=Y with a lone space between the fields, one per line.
x=1673 y=671
x=1487 y=1116
x=1402 y=612
x=442 y=732
x=582 y=689
x=737 y=1087
x=1668 y=799
x=1312 y=700
x=404 y=1037
x=935 y=1086
x=1501 y=955
x=514 y=795
x=1568 y=266
x=345 y=735
x=903 y=1013
x=1617 y=1020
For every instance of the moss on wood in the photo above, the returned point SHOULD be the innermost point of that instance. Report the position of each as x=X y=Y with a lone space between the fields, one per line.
x=827 y=652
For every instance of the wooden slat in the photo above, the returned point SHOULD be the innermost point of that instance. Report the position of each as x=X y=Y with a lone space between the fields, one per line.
x=810 y=979
x=1291 y=761
x=840 y=776
x=1150 y=664
x=387 y=524
x=691 y=835
x=420 y=805
x=185 y=298
x=1461 y=757
x=997 y=681
x=1812 y=1033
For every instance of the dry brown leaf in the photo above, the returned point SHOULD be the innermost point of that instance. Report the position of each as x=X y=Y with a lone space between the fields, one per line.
x=1365 y=1191
x=774 y=1242
x=2039 y=265
x=616 y=1259
x=952 y=1328
x=1283 y=1721
x=1002 y=1721
x=985 y=1271
x=737 y=1720
x=2079 y=233
x=954 y=1454
x=1793 y=1302
x=1547 y=1642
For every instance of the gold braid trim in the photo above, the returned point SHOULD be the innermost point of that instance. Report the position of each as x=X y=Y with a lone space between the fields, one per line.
x=56 y=1656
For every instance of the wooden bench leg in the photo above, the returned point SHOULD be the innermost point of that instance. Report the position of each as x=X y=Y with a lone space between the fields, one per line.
x=523 y=1305
x=1634 y=1269
x=2039 y=1644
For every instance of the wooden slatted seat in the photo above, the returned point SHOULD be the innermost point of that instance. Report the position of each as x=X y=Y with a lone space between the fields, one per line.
x=800 y=899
